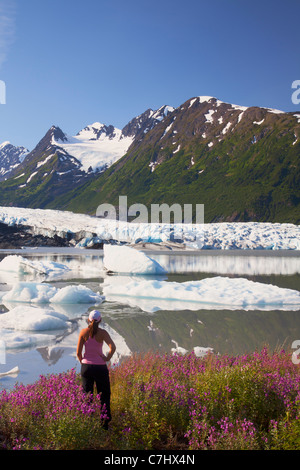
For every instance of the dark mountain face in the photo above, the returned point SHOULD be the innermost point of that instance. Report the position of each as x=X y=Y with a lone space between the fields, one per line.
x=241 y=163
x=143 y=123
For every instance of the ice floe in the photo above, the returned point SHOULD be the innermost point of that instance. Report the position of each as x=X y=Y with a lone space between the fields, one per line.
x=209 y=293
x=21 y=266
x=16 y=340
x=33 y=319
x=13 y=372
x=26 y=268
x=41 y=293
x=126 y=260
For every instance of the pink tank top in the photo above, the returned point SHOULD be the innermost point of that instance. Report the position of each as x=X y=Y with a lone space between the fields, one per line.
x=92 y=351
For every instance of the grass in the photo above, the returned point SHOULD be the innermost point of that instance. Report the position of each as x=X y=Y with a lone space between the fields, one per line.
x=164 y=402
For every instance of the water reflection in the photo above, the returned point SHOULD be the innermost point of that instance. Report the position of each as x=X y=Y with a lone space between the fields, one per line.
x=231 y=263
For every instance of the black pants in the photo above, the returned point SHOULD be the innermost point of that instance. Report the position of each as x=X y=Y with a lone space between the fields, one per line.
x=92 y=374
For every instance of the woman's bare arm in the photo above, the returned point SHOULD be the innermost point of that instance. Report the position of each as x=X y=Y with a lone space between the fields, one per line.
x=80 y=346
x=110 y=344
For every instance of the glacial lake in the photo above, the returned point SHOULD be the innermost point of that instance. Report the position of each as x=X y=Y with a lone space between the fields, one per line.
x=139 y=327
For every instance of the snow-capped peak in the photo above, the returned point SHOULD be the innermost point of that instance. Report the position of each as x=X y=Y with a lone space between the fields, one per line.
x=162 y=112
x=4 y=144
x=203 y=99
x=10 y=158
x=97 y=146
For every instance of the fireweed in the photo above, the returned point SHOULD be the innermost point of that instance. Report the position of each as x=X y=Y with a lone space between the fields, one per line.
x=52 y=413
x=163 y=402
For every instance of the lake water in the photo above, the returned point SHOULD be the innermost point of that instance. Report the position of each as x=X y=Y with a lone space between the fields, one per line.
x=136 y=329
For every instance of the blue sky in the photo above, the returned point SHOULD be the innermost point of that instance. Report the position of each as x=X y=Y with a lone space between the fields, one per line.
x=71 y=63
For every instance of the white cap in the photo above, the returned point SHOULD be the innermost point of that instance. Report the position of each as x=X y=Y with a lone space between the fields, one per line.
x=95 y=315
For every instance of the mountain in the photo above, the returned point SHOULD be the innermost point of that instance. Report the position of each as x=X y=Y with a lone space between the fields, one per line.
x=45 y=173
x=242 y=163
x=61 y=163
x=10 y=158
x=98 y=146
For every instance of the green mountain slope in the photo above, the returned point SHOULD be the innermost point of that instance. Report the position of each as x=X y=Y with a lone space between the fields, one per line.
x=242 y=165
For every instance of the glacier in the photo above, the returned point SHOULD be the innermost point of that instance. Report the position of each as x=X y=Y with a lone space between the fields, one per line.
x=82 y=229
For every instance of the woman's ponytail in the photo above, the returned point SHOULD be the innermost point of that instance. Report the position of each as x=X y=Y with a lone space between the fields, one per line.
x=93 y=327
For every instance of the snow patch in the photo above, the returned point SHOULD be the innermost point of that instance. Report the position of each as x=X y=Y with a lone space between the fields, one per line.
x=167 y=129
x=39 y=164
x=192 y=102
x=297 y=116
x=31 y=176
x=209 y=115
x=203 y=99
x=226 y=128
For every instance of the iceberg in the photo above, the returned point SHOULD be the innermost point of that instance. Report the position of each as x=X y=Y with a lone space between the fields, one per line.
x=127 y=260
x=20 y=265
x=41 y=293
x=15 y=267
x=16 y=340
x=209 y=293
x=76 y=295
x=33 y=319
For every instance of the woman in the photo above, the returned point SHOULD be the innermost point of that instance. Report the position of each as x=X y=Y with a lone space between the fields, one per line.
x=93 y=361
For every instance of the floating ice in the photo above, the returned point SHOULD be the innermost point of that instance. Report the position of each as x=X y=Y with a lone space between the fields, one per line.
x=210 y=293
x=19 y=265
x=33 y=319
x=15 y=267
x=13 y=372
x=76 y=295
x=126 y=260
x=20 y=340
x=41 y=293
